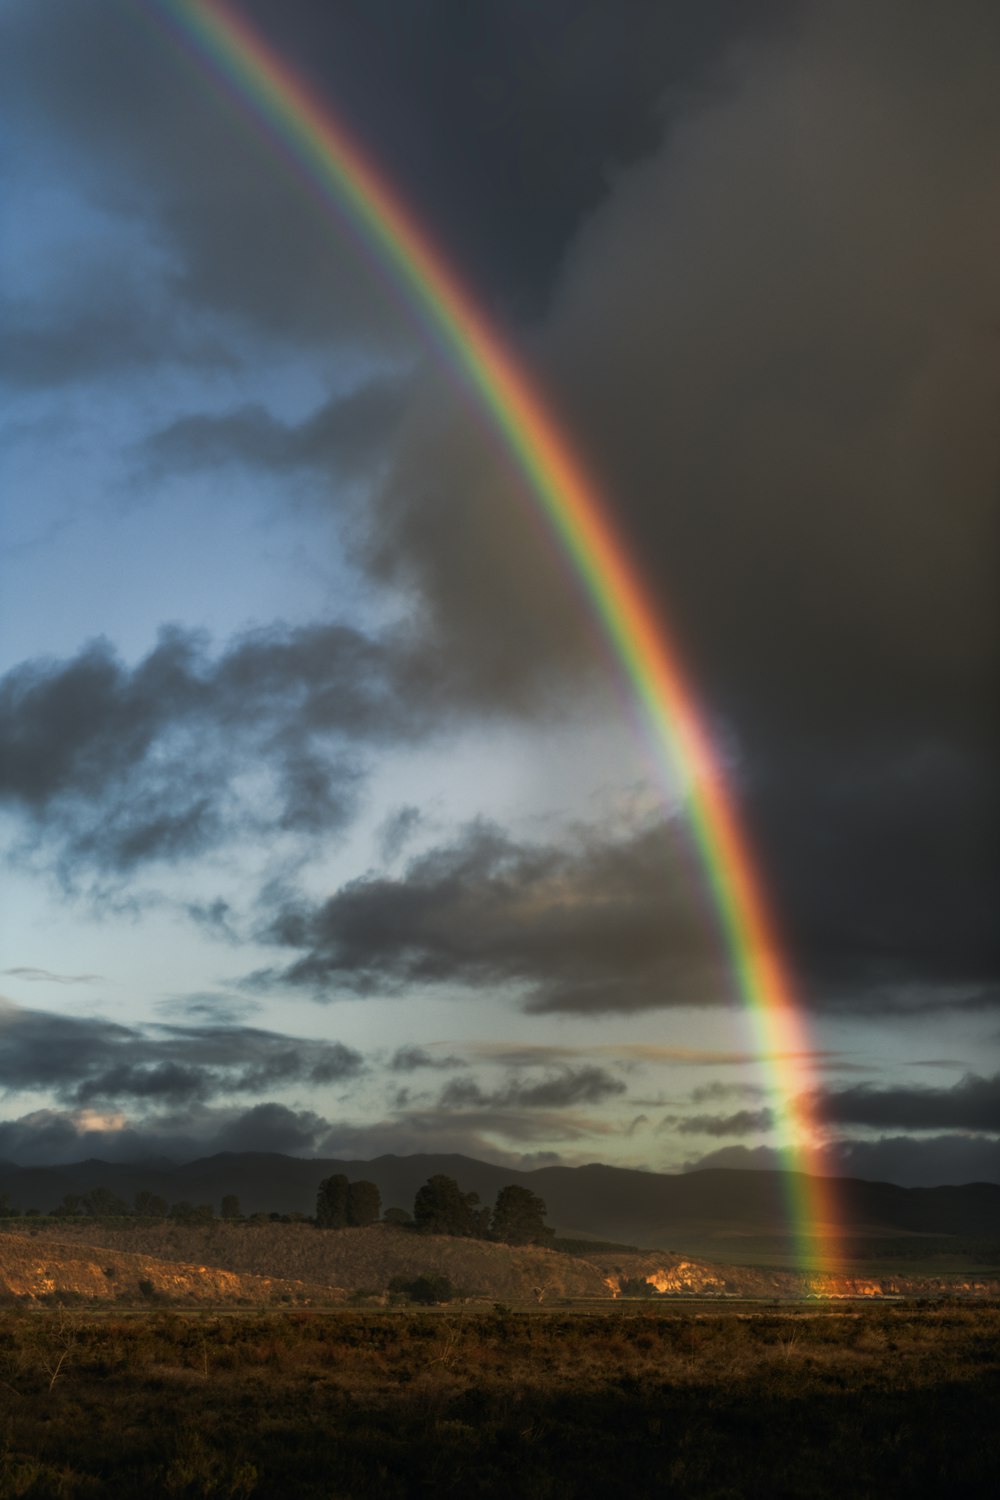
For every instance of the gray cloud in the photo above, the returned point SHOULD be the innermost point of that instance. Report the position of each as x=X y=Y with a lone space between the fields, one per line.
x=98 y=334
x=46 y=976
x=119 y=766
x=88 y=1061
x=588 y=1085
x=709 y=1092
x=347 y=436
x=742 y=1122
x=595 y=926
x=411 y=1058
x=397 y=830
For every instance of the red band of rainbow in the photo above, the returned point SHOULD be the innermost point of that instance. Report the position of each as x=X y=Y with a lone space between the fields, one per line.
x=336 y=170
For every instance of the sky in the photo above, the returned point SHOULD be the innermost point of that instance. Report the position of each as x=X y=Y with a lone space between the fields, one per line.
x=329 y=825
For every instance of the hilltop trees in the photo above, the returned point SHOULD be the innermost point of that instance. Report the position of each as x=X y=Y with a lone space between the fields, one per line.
x=347 y=1205
x=364 y=1204
x=519 y=1217
x=150 y=1205
x=441 y=1207
x=331 y=1202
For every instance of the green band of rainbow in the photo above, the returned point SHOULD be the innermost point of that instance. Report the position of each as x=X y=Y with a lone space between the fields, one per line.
x=349 y=185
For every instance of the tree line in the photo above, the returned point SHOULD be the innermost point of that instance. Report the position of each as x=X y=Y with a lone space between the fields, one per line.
x=440 y=1207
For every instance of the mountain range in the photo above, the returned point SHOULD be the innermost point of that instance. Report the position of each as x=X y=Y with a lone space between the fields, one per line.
x=729 y=1214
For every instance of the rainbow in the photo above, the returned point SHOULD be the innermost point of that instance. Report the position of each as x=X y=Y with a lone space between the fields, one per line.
x=319 y=148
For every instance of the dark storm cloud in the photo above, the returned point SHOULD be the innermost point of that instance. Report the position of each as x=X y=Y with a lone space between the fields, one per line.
x=274 y=1127
x=927 y=1161
x=777 y=334
x=972 y=1104
x=501 y=125
x=590 y=1085
x=148 y=137
x=592 y=926
x=118 y=765
x=48 y=1136
x=86 y=1061
x=346 y=435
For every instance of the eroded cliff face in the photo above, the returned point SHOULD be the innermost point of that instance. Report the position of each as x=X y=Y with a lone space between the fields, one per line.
x=32 y=1269
x=834 y=1287
x=676 y=1276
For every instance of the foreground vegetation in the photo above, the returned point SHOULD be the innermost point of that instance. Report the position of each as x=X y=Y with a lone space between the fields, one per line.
x=897 y=1400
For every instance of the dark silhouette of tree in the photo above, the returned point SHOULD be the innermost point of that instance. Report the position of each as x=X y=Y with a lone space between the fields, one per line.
x=364 y=1204
x=519 y=1217
x=427 y=1289
x=192 y=1213
x=441 y=1207
x=231 y=1207
x=398 y=1216
x=102 y=1203
x=150 y=1205
x=331 y=1202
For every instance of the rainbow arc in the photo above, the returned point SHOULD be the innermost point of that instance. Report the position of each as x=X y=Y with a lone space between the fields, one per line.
x=352 y=191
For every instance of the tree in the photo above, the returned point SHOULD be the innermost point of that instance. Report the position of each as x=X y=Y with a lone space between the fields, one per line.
x=428 y=1289
x=102 y=1203
x=364 y=1204
x=519 y=1217
x=150 y=1205
x=331 y=1202
x=231 y=1207
x=401 y=1217
x=191 y=1213
x=441 y=1207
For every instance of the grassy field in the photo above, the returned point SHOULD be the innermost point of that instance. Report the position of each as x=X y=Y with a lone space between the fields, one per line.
x=897 y=1400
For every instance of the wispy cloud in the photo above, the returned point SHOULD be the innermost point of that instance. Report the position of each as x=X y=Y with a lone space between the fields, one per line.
x=46 y=976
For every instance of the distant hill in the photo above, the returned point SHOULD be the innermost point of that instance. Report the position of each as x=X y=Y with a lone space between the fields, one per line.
x=140 y=1263
x=260 y=1259
x=734 y=1216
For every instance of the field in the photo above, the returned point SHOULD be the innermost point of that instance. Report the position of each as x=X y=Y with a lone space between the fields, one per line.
x=888 y=1399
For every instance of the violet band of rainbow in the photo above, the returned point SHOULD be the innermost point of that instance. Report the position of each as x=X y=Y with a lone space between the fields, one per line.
x=352 y=190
